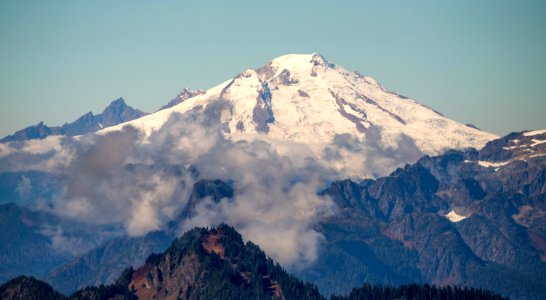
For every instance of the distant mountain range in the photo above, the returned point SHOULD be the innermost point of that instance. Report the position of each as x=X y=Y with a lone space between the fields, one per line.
x=116 y=113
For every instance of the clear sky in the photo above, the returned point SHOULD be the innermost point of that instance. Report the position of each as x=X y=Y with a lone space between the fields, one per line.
x=480 y=62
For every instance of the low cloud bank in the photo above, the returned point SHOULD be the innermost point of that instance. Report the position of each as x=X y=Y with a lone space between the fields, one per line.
x=142 y=183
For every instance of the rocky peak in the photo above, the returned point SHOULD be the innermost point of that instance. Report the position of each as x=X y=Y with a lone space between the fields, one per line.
x=319 y=60
x=118 y=112
x=117 y=106
x=38 y=131
x=188 y=93
x=120 y=102
x=184 y=95
x=203 y=264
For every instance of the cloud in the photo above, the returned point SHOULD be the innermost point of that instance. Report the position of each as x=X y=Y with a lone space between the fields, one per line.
x=381 y=159
x=276 y=203
x=144 y=182
x=24 y=188
x=107 y=183
x=62 y=243
x=370 y=156
x=21 y=160
x=347 y=141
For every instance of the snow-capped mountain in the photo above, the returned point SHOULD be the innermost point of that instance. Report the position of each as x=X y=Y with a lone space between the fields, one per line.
x=335 y=112
x=307 y=108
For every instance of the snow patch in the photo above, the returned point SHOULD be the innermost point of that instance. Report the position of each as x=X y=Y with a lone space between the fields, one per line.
x=536 y=132
x=537 y=142
x=511 y=147
x=455 y=217
x=488 y=164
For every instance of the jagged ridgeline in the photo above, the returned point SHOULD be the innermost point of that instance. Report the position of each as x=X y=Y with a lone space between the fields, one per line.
x=116 y=113
x=216 y=264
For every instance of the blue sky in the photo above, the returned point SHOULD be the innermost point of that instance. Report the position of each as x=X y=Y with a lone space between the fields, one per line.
x=480 y=62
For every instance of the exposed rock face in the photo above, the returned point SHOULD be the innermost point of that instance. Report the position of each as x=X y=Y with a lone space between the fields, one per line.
x=284 y=78
x=116 y=113
x=149 y=282
x=38 y=131
x=263 y=111
x=183 y=96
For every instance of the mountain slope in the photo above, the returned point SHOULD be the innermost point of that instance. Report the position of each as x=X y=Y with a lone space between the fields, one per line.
x=35 y=242
x=473 y=218
x=23 y=249
x=104 y=264
x=116 y=113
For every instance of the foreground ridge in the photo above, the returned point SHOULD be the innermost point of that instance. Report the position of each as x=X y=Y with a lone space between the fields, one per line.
x=216 y=264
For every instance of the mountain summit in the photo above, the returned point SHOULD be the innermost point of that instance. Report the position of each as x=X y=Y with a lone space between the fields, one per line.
x=303 y=98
